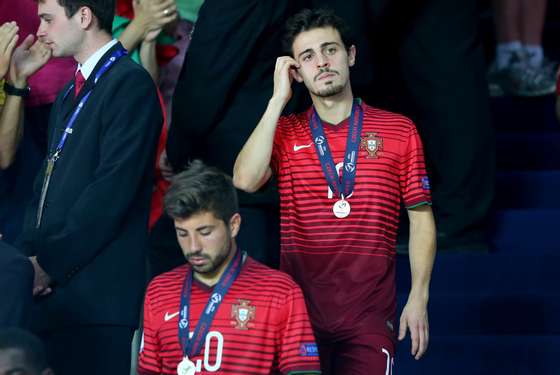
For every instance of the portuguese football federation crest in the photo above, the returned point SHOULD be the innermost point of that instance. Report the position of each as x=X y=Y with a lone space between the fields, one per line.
x=243 y=313
x=371 y=143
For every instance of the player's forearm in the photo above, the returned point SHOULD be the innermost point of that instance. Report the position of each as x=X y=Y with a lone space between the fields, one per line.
x=10 y=129
x=252 y=163
x=422 y=250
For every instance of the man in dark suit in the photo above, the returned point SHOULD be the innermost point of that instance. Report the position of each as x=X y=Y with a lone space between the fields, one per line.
x=86 y=227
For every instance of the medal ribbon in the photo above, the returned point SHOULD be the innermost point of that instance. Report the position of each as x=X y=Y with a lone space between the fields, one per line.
x=51 y=160
x=345 y=187
x=192 y=346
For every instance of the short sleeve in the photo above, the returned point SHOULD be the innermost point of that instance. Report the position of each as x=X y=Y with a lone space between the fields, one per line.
x=149 y=361
x=278 y=146
x=298 y=352
x=414 y=182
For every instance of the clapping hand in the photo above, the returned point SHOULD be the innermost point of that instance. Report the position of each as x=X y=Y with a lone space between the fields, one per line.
x=154 y=15
x=8 y=40
x=27 y=59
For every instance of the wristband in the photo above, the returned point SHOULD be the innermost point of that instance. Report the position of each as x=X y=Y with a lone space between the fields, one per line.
x=14 y=91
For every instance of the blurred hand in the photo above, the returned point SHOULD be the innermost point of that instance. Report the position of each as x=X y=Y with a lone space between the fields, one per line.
x=165 y=167
x=153 y=15
x=8 y=40
x=27 y=59
x=42 y=281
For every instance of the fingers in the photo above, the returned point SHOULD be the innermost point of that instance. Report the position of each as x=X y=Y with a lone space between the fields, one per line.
x=423 y=339
x=8 y=37
x=27 y=42
x=402 y=328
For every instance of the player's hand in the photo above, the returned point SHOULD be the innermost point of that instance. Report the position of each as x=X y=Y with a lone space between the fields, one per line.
x=8 y=40
x=283 y=77
x=415 y=318
x=27 y=59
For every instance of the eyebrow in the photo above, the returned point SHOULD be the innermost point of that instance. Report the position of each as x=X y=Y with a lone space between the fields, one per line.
x=43 y=15
x=323 y=45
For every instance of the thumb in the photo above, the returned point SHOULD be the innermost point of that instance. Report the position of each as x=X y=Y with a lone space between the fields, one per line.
x=402 y=329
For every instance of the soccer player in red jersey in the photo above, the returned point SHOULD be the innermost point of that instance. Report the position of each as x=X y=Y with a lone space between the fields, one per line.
x=223 y=312
x=343 y=169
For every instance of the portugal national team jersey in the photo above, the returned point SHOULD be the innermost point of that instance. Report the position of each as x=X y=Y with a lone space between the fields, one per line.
x=261 y=327
x=346 y=267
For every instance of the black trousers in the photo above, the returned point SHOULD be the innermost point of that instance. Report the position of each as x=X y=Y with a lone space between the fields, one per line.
x=16 y=284
x=424 y=58
x=89 y=350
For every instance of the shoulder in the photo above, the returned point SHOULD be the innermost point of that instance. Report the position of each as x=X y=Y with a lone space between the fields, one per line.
x=294 y=120
x=266 y=278
x=383 y=117
x=167 y=280
x=127 y=73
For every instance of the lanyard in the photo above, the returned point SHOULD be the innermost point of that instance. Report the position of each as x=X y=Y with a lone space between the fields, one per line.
x=51 y=160
x=192 y=346
x=345 y=187
x=68 y=130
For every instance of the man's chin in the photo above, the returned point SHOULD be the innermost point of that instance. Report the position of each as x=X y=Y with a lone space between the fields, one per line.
x=329 y=91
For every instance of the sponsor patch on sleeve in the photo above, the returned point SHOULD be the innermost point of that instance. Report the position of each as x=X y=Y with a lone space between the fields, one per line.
x=425 y=183
x=309 y=350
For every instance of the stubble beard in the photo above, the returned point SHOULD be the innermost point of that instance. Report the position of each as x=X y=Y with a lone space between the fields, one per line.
x=329 y=91
x=215 y=263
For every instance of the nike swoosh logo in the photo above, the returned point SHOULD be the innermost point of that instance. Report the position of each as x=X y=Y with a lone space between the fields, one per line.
x=297 y=148
x=169 y=316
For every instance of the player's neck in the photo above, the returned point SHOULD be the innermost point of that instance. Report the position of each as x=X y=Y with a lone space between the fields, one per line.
x=334 y=109
x=210 y=279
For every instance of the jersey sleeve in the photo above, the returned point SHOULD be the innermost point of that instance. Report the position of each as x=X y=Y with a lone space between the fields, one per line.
x=149 y=361
x=278 y=146
x=298 y=352
x=414 y=182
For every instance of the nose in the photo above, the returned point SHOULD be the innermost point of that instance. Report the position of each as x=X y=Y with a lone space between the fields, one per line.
x=322 y=61
x=41 y=32
x=196 y=244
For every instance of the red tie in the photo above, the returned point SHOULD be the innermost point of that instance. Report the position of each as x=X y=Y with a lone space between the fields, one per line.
x=79 y=83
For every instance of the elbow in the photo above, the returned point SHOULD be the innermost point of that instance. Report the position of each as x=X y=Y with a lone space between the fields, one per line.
x=244 y=183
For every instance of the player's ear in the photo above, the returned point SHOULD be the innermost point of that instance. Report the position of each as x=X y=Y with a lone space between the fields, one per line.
x=352 y=55
x=234 y=224
x=295 y=74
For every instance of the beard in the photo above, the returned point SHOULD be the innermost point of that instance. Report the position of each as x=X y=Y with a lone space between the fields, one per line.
x=328 y=91
x=213 y=263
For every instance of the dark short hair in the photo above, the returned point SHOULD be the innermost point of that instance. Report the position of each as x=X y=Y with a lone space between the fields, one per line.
x=309 y=19
x=201 y=188
x=103 y=10
x=31 y=347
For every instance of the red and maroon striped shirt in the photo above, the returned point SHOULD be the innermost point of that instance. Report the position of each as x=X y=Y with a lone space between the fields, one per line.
x=346 y=267
x=261 y=327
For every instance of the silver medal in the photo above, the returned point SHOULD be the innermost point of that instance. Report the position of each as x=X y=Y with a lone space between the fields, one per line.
x=341 y=209
x=186 y=367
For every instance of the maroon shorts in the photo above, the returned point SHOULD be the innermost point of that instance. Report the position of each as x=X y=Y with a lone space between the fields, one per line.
x=366 y=354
